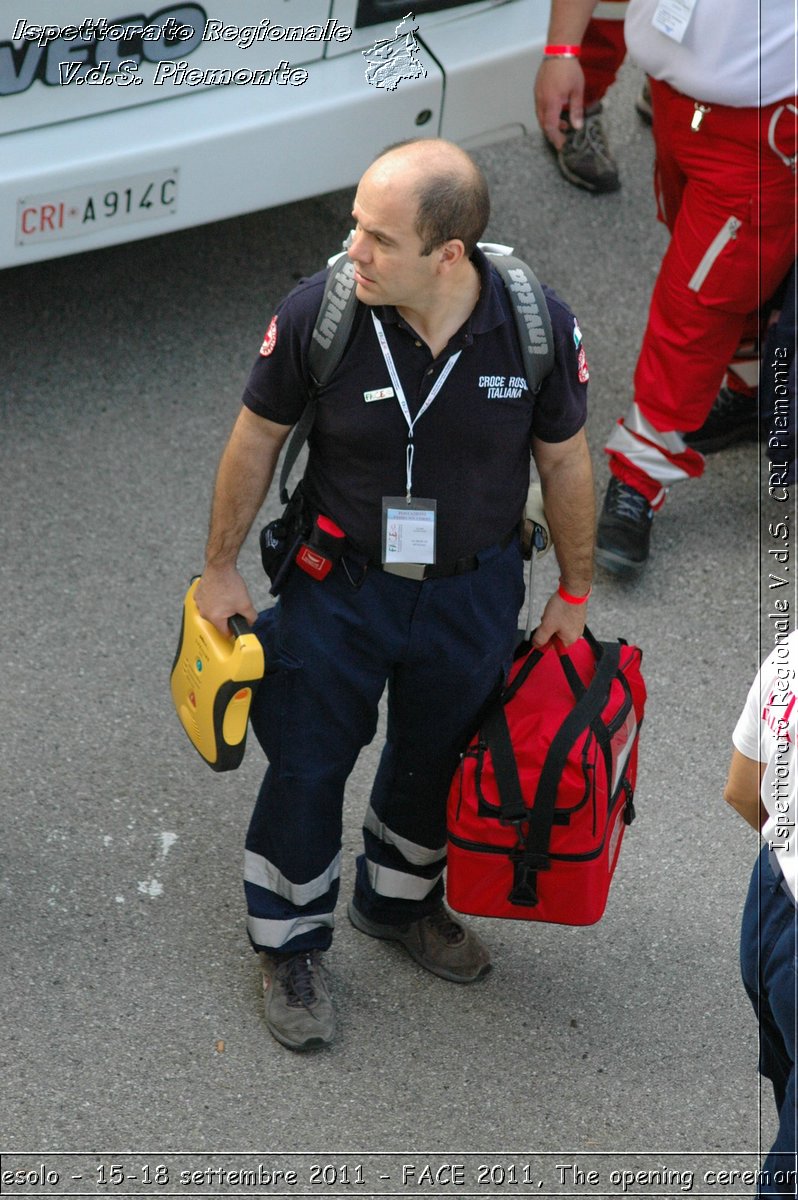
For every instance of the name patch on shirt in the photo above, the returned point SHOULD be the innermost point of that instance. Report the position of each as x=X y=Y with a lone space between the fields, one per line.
x=504 y=387
x=672 y=17
x=380 y=394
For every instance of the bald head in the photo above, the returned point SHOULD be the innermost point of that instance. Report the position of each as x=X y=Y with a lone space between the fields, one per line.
x=444 y=183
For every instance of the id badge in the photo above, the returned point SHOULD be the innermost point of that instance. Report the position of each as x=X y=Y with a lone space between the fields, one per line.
x=672 y=17
x=408 y=530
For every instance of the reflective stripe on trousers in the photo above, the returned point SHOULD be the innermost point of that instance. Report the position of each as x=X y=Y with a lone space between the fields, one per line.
x=650 y=460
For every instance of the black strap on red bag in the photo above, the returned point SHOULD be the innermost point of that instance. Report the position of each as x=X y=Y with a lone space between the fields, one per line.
x=532 y=852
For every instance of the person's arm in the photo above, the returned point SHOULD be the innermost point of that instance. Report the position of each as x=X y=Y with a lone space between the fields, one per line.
x=560 y=82
x=245 y=473
x=566 y=477
x=742 y=789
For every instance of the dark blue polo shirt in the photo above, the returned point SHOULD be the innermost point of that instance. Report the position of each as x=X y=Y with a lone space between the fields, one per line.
x=472 y=446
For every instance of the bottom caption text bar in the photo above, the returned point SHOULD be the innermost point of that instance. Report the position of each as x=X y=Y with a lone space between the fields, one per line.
x=366 y=1174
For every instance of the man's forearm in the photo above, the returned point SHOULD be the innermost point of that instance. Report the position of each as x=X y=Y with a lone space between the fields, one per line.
x=245 y=473
x=569 y=503
x=566 y=477
x=742 y=790
x=568 y=21
x=560 y=81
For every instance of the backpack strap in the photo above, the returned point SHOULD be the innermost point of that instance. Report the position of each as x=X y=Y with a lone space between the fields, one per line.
x=328 y=342
x=334 y=320
x=531 y=313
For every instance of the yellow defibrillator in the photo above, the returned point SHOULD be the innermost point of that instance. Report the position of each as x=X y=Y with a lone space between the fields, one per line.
x=213 y=681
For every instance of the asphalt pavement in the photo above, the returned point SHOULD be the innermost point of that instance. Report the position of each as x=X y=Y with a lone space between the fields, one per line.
x=131 y=999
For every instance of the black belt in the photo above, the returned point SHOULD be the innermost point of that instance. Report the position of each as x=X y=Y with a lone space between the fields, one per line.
x=442 y=570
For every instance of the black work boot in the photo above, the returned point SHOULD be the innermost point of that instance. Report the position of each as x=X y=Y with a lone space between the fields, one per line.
x=733 y=418
x=624 y=529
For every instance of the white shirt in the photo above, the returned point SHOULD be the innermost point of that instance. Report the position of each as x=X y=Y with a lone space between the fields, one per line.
x=766 y=732
x=734 y=52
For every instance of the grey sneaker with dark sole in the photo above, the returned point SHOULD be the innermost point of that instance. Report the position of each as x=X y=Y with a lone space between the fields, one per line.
x=437 y=942
x=299 y=1009
x=585 y=159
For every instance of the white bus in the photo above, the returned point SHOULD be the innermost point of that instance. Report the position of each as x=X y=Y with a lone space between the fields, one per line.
x=118 y=124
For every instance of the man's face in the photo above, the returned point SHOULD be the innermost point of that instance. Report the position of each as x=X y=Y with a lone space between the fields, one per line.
x=386 y=250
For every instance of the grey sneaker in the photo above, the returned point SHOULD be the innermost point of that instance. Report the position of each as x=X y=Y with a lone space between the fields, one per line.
x=585 y=159
x=299 y=1010
x=437 y=942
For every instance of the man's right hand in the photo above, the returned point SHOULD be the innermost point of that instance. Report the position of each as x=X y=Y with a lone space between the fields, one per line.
x=221 y=592
x=559 y=86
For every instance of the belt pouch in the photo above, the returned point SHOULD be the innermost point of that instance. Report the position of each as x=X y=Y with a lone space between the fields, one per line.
x=281 y=538
x=321 y=550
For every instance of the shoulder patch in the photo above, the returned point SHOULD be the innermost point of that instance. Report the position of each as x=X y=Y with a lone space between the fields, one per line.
x=269 y=338
x=581 y=365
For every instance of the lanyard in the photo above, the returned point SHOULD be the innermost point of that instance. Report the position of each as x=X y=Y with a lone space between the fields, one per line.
x=400 y=394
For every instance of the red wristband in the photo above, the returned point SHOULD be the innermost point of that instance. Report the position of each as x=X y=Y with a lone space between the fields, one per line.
x=569 y=599
x=562 y=51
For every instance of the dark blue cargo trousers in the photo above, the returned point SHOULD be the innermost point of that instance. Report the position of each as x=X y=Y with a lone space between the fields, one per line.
x=768 y=961
x=441 y=646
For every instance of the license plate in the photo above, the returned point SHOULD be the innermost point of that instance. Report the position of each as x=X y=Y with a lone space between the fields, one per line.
x=80 y=211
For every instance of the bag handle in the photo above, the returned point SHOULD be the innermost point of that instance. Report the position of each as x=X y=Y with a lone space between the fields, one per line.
x=532 y=852
x=587 y=708
x=534 y=656
x=495 y=733
x=569 y=670
x=532 y=855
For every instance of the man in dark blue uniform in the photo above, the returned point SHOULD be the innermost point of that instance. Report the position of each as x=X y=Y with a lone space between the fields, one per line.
x=420 y=453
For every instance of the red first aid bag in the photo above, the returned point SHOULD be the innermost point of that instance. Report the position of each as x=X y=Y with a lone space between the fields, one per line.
x=543 y=793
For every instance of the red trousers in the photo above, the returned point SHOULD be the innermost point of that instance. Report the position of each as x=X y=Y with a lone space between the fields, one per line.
x=603 y=51
x=728 y=197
